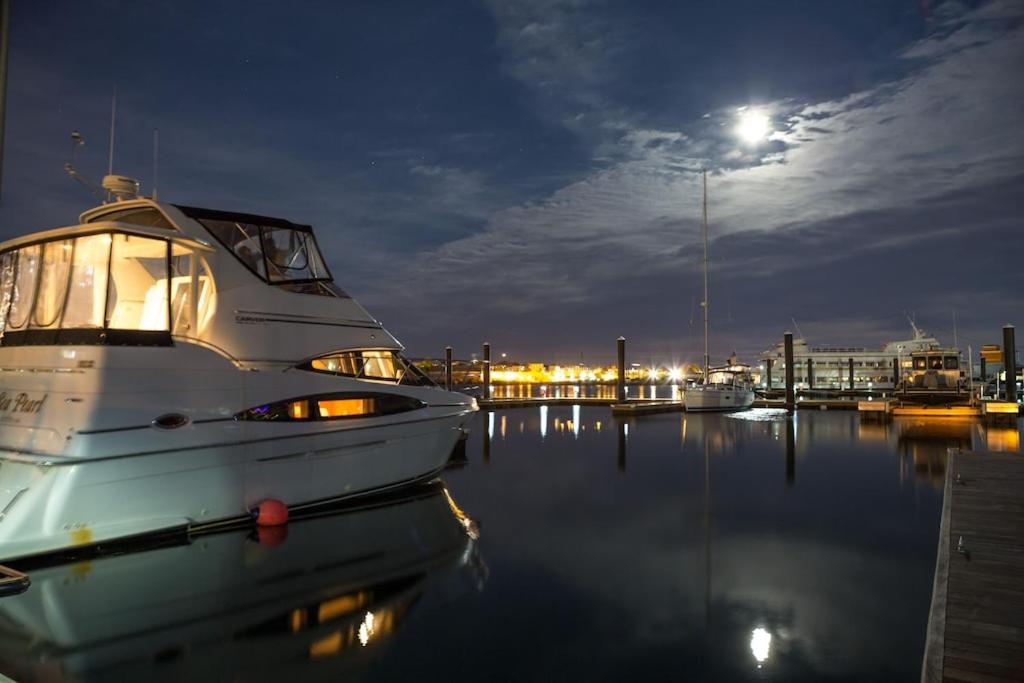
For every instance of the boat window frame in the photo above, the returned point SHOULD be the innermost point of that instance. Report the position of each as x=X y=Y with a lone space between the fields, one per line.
x=86 y=336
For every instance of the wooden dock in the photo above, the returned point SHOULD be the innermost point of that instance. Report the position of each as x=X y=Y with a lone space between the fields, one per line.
x=976 y=625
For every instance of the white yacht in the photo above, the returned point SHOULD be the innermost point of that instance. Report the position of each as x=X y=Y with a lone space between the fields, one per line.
x=166 y=367
x=725 y=388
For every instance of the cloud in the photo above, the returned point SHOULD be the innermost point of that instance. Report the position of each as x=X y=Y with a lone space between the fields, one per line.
x=836 y=170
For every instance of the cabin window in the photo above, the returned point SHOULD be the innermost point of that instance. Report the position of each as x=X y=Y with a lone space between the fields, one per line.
x=87 y=290
x=370 y=364
x=336 y=406
x=191 y=292
x=920 y=363
x=146 y=216
x=106 y=288
x=952 y=363
x=935 y=362
x=345 y=407
x=137 y=295
x=53 y=284
x=24 y=286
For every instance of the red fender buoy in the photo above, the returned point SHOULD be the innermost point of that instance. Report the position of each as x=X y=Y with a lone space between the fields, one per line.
x=271 y=512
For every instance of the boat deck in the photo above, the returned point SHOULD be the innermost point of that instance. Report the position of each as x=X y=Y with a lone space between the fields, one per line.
x=976 y=626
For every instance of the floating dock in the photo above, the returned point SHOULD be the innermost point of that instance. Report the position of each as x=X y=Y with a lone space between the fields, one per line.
x=991 y=411
x=976 y=624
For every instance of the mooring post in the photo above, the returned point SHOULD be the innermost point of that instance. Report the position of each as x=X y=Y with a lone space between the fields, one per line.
x=984 y=375
x=851 y=374
x=768 y=367
x=895 y=373
x=620 y=381
x=810 y=373
x=448 y=368
x=1010 y=363
x=790 y=402
x=487 y=370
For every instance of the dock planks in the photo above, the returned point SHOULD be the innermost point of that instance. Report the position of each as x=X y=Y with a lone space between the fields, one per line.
x=976 y=628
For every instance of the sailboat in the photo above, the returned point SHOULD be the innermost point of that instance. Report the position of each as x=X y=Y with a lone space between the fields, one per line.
x=728 y=387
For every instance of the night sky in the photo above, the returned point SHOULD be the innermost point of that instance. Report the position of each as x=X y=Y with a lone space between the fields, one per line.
x=527 y=172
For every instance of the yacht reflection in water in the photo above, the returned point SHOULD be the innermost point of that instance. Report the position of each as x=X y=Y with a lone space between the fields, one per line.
x=314 y=600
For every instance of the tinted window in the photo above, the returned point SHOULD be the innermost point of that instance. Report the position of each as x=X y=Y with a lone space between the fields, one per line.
x=379 y=365
x=242 y=239
x=952 y=363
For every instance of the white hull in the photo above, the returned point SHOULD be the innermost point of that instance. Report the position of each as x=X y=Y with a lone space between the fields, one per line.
x=94 y=469
x=714 y=399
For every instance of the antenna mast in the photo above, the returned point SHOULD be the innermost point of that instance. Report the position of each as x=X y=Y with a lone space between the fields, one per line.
x=156 y=159
x=113 y=123
x=707 y=303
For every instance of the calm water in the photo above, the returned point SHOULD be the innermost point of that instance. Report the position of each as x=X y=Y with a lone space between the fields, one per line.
x=701 y=547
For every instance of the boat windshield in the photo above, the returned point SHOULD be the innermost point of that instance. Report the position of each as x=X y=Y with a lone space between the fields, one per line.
x=277 y=251
x=721 y=377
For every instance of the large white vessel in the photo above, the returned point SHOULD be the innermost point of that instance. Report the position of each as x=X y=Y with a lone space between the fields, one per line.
x=847 y=368
x=167 y=367
x=723 y=388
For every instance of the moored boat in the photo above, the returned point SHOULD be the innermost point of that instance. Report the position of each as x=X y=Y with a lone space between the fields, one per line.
x=724 y=388
x=166 y=366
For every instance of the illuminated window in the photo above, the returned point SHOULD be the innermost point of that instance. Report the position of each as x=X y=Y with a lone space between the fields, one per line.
x=53 y=284
x=338 y=406
x=346 y=407
x=87 y=291
x=24 y=286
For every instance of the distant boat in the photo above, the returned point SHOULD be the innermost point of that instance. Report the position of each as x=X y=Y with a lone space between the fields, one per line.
x=729 y=387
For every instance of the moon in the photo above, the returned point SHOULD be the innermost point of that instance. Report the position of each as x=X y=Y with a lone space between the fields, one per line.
x=753 y=127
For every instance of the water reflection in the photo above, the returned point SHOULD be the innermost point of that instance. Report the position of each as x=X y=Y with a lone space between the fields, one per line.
x=319 y=598
x=702 y=555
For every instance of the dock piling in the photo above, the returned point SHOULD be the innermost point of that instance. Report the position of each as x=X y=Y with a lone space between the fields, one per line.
x=448 y=368
x=620 y=381
x=487 y=370
x=768 y=368
x=851 y=374
x=895 y=373
x=790 y=401
x=810 y=373
x=1010 y=363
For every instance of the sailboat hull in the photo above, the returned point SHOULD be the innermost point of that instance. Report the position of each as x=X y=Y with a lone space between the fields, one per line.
x=712 y=399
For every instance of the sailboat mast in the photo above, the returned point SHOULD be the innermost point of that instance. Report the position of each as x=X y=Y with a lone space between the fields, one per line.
x=707 y=302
